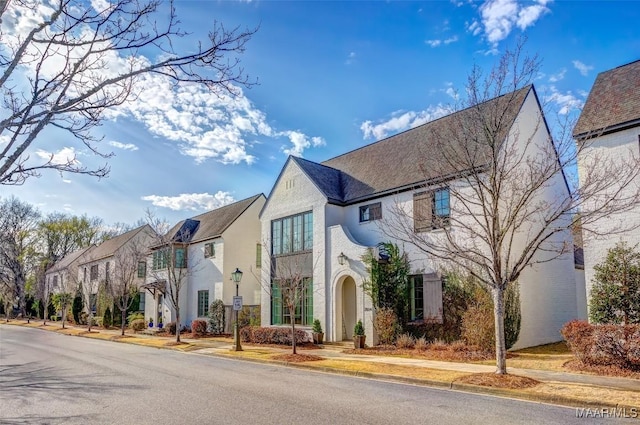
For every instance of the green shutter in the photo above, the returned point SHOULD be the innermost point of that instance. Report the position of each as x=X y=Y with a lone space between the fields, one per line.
x=308 y=294
x=276 y=305
x=258 y=255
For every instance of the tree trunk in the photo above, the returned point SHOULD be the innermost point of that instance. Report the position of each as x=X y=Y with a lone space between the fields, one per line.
x=177 y=325
x=123 y=320
x=64 y=316
x=498 y=313
x=293 y=333
x=89 y=319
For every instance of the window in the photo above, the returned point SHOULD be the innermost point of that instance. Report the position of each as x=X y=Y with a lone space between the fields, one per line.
x=370 y=212
x=84 y=274
x=160 y=259
x=142 y=268
x=203 y=303
x=180 y=258
x=94 y=272
x=292 y=234
x=209 y=250
x=55 y=281
x=258 y=255
x=141 y=300
x=416 y=297
x=431 y=210
x=303 y=312
x=106 y=271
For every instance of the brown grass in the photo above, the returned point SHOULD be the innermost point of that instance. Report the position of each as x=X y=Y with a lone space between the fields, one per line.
x=391 y=369
x=450 y=354
x=605 y=370
x=511 y=382
x=296 y=358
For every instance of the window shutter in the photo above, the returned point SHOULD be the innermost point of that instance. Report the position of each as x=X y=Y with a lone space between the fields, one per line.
x=276 y=305
x=432 y=298
x=308 y=294
x=422 y=214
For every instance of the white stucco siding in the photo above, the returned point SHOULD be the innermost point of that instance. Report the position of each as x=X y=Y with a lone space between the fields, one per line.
x=294 y=193
x=616 y=146
x=205 y=274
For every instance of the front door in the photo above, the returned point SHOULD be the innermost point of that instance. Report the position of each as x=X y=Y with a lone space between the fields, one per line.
x=349 y=305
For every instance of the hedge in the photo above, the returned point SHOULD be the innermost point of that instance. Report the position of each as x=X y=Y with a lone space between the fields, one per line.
x=275 y=335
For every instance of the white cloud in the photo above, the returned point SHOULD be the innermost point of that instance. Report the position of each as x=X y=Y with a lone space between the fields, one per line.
x=65 y=155
x=67 y=181
x=499 y=17
x=401 y=121
x=559 y=76
x=584 y=69
x=301 y=142
x=351 y=58
x=124 y=146
x=437 y=42
x=564 y=103
x=191 y=201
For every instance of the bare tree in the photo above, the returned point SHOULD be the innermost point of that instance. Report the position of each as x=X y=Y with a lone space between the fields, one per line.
x=291 y=280
x=170 y=262
x=68 y=65
x=7 y=292
x=513 y=197
x=18 y=222
x=43 y=290
x=123 y=282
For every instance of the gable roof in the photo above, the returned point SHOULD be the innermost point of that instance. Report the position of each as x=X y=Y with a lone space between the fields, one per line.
x=614 y=101
x=67 y=260
x=211 y=224
x=392 y=164
x=110 y=246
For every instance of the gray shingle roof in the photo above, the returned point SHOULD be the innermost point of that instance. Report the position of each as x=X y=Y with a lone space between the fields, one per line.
x=394 y=163
x=110 y=246
x=213 y=223
x=67 y=260
x=613 y=101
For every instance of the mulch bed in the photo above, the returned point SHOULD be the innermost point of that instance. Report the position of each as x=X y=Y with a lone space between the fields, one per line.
x=608 y=370
x=296 y=358
x=511 y=382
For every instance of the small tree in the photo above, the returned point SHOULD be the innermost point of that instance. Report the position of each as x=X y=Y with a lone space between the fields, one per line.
x=615 y=295
x=123 y=284
x=62 y=302
x=217 y=317
x=291 y=282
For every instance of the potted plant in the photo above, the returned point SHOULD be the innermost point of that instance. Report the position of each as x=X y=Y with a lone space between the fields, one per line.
x=160 y=322
x=358 y=335
x=151 y=322
x=316 y=331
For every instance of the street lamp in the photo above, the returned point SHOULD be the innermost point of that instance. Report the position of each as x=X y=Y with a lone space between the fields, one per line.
x=236 y=277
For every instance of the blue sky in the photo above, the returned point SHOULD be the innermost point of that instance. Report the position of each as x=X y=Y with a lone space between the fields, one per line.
x=333 y=76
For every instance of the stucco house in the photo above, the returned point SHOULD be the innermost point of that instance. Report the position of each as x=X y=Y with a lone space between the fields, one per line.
x=206 y=249
x=113 y=257
x=610 y=126
x=58 y=278
x=331 y=212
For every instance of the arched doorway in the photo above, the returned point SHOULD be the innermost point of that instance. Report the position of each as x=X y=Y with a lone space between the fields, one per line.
x=348 y=308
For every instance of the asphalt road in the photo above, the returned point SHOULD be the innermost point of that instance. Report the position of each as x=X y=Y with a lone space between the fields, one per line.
x=50 y=378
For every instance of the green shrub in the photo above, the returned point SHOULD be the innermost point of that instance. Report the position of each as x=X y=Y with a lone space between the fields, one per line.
x=137 y=325
x=358 y=329
x=317 y=327
x=106 y=319
x=386 y=325
x=76 y=309
x=249 y=316
x=134 y=316
x=217 y=317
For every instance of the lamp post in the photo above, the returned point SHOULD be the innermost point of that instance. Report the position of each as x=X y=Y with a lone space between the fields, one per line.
x=237 y=305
